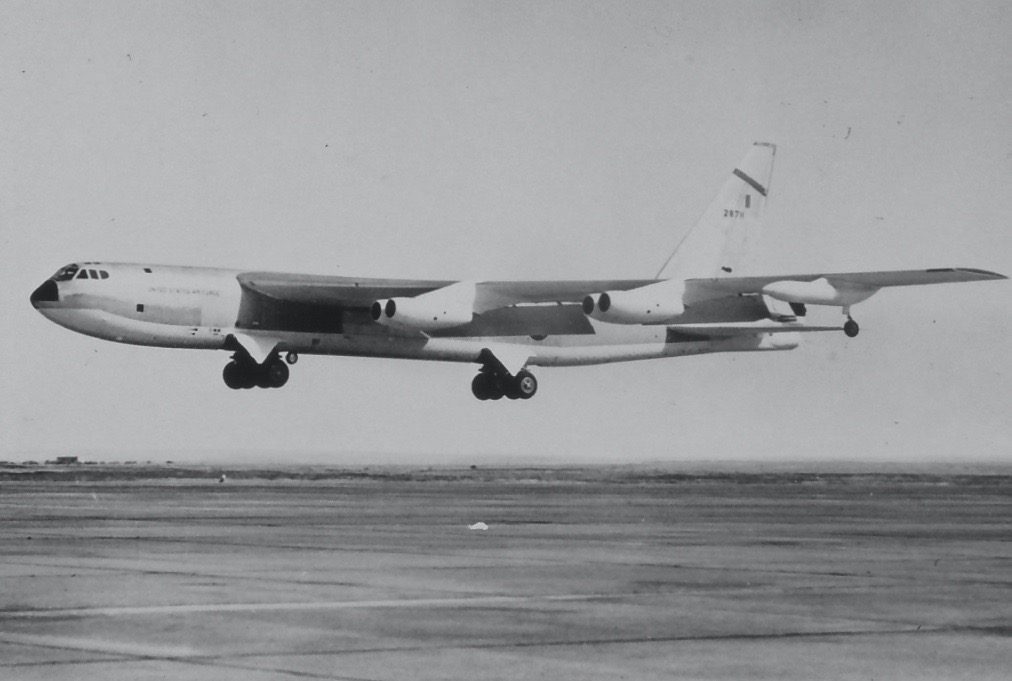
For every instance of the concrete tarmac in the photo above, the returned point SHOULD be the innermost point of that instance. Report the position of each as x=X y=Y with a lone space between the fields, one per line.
x=691 y=577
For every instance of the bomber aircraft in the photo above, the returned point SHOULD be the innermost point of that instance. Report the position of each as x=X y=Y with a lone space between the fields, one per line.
x=695 y=304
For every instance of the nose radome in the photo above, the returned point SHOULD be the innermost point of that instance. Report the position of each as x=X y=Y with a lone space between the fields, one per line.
x=49 y=292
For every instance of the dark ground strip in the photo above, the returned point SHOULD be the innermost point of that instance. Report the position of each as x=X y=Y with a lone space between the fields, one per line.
x=721 y=560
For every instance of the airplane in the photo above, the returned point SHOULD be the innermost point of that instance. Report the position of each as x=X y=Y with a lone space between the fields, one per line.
x=695 y=304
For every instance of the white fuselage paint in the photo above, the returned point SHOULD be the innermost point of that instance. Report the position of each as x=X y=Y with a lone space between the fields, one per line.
x=193 y=307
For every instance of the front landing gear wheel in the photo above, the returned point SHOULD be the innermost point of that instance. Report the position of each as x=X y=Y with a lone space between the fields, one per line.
x=233 y=375
x=851 y=328
x=239 y=376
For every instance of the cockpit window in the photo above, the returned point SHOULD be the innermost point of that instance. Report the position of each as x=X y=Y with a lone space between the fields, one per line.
x=73 y=271
x=66 y=273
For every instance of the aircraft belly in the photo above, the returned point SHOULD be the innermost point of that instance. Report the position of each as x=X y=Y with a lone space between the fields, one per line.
x=564 y=350
x=108 y=326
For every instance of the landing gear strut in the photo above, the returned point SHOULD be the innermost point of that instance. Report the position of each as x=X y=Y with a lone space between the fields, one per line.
x=242 y=374
x=490 y=384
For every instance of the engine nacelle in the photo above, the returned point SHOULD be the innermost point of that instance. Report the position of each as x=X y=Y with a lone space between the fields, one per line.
x=443 y=308
x=818 y=292
x=651 y=304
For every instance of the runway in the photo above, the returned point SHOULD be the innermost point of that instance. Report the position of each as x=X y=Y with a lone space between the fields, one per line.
x=593 y=575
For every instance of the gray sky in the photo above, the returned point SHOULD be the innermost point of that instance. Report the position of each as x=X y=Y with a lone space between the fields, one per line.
x=499 y=141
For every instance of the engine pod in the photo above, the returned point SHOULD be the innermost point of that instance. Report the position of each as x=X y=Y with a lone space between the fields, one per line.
x=651 y=304
x=443 y=308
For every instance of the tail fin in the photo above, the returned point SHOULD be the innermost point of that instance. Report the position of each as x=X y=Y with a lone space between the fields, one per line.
x=716 y=243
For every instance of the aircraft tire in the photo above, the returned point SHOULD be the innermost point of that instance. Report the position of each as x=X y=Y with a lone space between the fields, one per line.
x=274 y=374
x=851 y=328
x=525 y=385
x=481 y=387
x=497 y=390
x=249 y=376
x=233 y=375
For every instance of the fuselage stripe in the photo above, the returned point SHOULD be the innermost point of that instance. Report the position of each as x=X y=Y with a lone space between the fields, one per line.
x=752 y=183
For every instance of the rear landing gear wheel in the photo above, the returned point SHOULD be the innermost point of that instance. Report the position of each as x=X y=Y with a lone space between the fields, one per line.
x=292 y=357
x=525 y=385
x=851 y=328
x=487 y=386
x=482 y=386
x=493 y=386
x=274 y=374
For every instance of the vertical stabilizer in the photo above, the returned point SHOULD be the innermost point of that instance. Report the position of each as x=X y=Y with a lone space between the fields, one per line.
x=718 y=241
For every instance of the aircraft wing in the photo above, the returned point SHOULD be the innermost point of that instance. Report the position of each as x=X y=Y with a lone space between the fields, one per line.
x=699 y=288
x=359 y=293
x=344 y=292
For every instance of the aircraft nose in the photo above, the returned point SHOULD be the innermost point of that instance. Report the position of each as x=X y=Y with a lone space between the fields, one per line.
x=49 y=292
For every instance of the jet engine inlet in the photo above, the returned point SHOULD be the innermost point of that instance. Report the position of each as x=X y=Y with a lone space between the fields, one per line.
x=652 y=304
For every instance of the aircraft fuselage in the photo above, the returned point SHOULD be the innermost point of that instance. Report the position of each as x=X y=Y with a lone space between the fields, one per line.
x=205 y=308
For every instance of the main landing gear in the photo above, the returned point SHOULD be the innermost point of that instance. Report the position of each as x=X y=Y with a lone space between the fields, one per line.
x=242 y=374
x=494 y=385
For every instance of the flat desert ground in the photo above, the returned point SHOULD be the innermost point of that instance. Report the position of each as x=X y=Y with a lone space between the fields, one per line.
x=596 y=573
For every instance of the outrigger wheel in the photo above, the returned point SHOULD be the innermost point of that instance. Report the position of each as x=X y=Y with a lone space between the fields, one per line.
x=851 y=328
